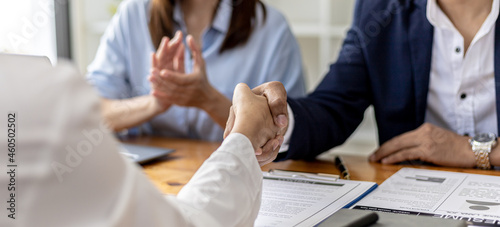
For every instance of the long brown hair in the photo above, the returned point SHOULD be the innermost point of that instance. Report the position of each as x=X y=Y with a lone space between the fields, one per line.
x=242 y=22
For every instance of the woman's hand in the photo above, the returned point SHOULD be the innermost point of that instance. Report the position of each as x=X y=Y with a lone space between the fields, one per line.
x=170 y=56
x=172 y=85
x=182 y=89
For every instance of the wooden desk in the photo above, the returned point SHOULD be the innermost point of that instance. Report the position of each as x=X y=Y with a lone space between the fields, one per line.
x=171 y=173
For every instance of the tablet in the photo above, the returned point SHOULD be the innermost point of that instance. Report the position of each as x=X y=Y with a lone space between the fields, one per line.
x=142 y=154
x=25 y=60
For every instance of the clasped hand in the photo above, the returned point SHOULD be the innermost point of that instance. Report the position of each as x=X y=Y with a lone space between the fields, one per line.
x=250 y=116
x=272 y=106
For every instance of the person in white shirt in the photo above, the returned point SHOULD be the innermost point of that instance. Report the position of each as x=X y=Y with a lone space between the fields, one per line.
x=63 y=167
x=430 y=70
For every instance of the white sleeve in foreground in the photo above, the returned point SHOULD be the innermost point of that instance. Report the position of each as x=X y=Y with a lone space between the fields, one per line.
x=226 y=190
x=71 y=173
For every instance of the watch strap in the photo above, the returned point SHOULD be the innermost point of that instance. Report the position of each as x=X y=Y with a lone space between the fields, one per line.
x=482 y=155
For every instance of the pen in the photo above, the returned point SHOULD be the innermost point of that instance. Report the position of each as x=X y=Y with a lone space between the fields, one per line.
x=318 y=176
x=341 y=167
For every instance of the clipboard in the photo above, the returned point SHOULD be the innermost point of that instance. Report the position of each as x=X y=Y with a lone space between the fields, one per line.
x=358 y=218
x=306 y=199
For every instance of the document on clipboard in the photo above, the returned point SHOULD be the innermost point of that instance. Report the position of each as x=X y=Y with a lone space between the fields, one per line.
x=306 y=199
x=449 y=195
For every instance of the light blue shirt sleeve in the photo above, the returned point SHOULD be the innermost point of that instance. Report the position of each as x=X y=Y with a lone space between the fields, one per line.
x=108 y=71
x=117 y=60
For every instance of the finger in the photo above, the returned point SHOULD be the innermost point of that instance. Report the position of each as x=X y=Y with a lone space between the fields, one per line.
x=179 y=59
x=180 y=79
x=153 y=72
x=174 y=45
x=267 y=156
x=193 y=46
x=163 y=46
x=280 y=139
x=270 y=146
x=154 y=61
x=403 y=155
x=157 y=82
x=153 y=80
x=176 y=41
x=401 y=142
x=230 y=122
x=199 y=63
x=166 y=56
x=154 y=77
x=275 y=93
x=258 y=151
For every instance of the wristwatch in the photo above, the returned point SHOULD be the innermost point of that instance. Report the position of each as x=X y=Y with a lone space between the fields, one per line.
x=482 y=144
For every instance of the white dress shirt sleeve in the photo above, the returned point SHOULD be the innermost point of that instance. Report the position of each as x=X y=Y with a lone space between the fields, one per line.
x=288 y=133
x=70 y=172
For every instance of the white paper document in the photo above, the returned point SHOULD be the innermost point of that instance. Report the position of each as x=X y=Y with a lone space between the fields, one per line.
x=295 y=201
x=470 y=197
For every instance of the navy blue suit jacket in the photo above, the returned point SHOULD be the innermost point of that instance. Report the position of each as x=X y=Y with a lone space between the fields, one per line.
x=385 y=61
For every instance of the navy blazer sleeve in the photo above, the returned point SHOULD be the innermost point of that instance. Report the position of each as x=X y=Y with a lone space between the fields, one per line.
x=332 y=112
x=373 y=68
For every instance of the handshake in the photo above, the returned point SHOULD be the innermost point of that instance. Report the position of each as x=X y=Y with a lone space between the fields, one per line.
x=261 y=115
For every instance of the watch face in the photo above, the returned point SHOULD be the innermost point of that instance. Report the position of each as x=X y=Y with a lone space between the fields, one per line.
x=485 y=137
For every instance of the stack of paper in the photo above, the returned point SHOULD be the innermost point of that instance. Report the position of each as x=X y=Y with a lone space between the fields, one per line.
x=470 y=197
x=302 y=200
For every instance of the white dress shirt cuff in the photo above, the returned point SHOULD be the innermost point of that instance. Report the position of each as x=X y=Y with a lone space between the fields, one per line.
x=288 y=134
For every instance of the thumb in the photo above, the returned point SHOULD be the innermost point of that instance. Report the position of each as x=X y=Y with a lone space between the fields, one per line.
x=241 y=92
x=229 y=123
x=275 y=93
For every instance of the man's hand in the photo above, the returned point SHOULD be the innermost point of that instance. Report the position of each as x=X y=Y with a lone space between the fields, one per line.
x=276 y=97
x=251 y=117
x=428 y=143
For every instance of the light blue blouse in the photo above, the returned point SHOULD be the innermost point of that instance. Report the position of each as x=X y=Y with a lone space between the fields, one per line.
x=122 y=63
